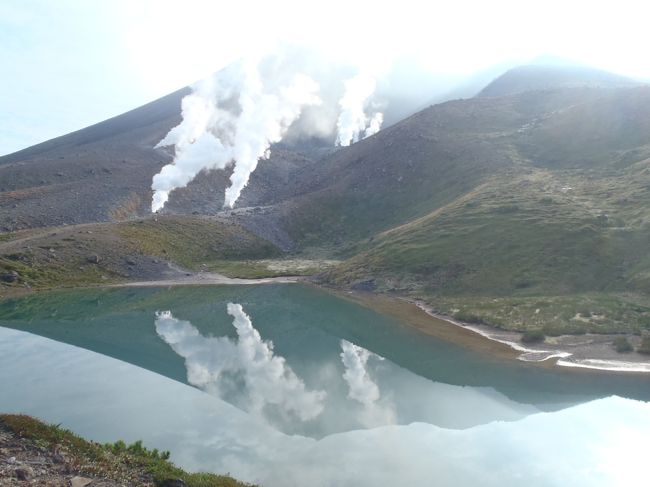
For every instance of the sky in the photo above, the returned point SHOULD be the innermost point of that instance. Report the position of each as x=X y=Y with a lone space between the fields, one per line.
x=69 y=64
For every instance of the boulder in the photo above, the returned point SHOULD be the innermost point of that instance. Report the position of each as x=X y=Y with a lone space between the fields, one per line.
x=172 y=483
x=80 y=481
x=24 y=473
x=93 y=259
x=367 y=285
x=11 y=276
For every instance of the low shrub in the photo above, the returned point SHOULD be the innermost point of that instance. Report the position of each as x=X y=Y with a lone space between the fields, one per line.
x=645 y=345
x=622 y=345
x=533 y=336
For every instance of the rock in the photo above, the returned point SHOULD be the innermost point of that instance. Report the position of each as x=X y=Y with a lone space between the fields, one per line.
x=24 y=473
x=130 y=261
x=58 y=458
x=11 y=276
x=172 y=483
x=93 y=259
x=367 y=285
x=79 y=481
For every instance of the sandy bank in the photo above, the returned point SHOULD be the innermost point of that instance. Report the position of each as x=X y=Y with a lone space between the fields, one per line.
x=590 y=351
x=209 y=278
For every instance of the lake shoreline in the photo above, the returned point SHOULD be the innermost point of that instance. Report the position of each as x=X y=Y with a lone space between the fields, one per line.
x=587 y=352
x=576 y=352
x=210 y=279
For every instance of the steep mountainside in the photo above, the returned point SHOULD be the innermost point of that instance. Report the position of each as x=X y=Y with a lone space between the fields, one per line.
x=104 y=172
x=568 y=212
x=446 y=151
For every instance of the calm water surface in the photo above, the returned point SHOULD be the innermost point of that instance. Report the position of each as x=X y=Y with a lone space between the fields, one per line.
x=287 y=385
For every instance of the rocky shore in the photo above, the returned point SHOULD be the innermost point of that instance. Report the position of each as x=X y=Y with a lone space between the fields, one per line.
x=34 y=453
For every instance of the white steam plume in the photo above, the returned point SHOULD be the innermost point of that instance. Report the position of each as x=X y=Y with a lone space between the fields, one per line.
x=233 y=117
x=375 y=124
x=245 y=371
x=362 y=388
x=353 y=120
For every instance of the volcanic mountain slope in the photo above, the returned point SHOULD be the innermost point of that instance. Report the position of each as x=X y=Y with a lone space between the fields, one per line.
x=104 y=172
x=444 y=152
x=534 y=193
x=551 y=199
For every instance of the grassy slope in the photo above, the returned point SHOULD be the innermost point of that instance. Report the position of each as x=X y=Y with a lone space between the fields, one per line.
x=416 y=166
x=521 y=237
x=120 y=463
x=135 y=249
x=568 y=221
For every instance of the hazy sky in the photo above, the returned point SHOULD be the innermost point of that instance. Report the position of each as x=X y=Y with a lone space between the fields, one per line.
x=67 y=64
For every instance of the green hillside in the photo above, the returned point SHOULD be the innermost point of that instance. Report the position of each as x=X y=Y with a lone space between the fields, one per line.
x=566 y=217
x=114 y=252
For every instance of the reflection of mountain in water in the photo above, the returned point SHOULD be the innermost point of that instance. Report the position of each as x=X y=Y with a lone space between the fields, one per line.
x=598 y=444
x=351 y=389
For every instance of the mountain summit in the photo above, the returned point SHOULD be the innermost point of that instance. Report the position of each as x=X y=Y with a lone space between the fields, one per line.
x=548 y=77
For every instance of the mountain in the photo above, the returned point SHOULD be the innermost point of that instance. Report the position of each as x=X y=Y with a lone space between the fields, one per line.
x=547 y=77
x=525 y=205
x=104 y=172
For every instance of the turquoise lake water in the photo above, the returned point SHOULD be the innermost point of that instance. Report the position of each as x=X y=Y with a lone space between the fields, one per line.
x=288 y=385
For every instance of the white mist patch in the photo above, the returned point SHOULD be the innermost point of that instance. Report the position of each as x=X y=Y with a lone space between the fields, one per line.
x=353 y=121
x=362 y=388
x=246 y=371
x=231 y=118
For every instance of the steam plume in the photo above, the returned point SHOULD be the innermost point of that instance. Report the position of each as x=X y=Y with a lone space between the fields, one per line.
x=375 y=124
x=353 y=120
x=232 y=117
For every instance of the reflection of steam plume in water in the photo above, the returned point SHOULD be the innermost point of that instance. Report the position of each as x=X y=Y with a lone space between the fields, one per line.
x=224 y=367
x=234 y=116
x=353 y=120
x=362 y=388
